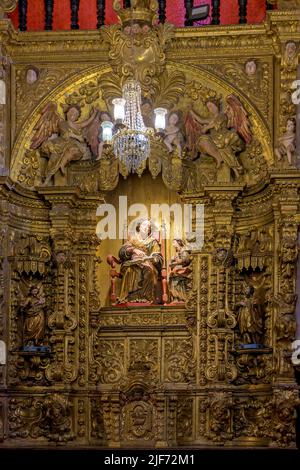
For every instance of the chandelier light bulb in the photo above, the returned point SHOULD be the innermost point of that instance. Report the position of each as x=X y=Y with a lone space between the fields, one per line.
x=160 y=118
x=119 y=109
x=107 y=129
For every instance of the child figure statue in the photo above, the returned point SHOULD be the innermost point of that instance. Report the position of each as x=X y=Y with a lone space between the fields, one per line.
x=173 y=135
x=287 y=143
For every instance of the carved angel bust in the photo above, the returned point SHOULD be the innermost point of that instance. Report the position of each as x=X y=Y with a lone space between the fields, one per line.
x=290 y=49
x=31 y=76
x=250 y=68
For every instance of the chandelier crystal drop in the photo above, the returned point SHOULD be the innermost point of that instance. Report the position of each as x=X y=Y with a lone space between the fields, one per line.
x=132 y=141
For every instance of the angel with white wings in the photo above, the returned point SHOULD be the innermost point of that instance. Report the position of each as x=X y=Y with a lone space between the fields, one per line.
x=222 y=135
x=65 y=140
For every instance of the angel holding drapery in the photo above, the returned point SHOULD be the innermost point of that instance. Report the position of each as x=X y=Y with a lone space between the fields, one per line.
x=65 y=140
x=222 y=135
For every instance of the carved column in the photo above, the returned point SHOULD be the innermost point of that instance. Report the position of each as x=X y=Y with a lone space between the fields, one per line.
x=221 y=320
x=286 y=209
x=161 y=420
x=171 y=420
x=4 y=106
x=73 y=225
x=3 y=292
x=111 y=416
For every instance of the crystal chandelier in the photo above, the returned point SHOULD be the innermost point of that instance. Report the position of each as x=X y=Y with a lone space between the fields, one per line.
x=131 y=142
x=129 y=136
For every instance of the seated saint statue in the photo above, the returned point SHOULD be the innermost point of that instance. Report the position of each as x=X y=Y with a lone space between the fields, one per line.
x=141 y=263
x=180 y=275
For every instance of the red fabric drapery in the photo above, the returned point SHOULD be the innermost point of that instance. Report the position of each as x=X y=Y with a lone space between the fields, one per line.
x=88 y=15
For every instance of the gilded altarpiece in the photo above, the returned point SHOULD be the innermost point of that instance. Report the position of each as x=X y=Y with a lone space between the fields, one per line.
x=80 y=371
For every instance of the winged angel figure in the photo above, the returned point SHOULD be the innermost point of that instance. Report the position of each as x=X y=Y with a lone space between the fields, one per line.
x=65 y=140
x=222 y=135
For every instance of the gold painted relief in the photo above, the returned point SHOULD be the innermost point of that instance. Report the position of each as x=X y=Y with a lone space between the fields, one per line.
x=145 y=341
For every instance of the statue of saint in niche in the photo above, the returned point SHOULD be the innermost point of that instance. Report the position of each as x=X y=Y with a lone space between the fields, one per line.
x=141 y=263
x=180 y=275
x=32 y=308
x=250 y=319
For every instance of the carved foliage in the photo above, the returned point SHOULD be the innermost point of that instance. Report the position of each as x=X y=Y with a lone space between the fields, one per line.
x=145 y=352
x=284 y=420
x=286 y=299
x=254 y=367
x=97 y=421
x=185 y=419
x=253 y=417
x=256 y=85
x=48 y=417
x=107 y=360
x=148 y=42
x=179 y=365
x=63 y=321
x=219 y=418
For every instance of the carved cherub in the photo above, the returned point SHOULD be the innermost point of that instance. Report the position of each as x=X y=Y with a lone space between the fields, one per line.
x=64 y=140
x=173 y=135
x=286 y=145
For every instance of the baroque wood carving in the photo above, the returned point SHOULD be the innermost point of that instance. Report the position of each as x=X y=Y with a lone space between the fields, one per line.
x=211 y=364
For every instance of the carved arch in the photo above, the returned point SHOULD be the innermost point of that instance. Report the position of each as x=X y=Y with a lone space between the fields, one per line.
x=94 y=75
